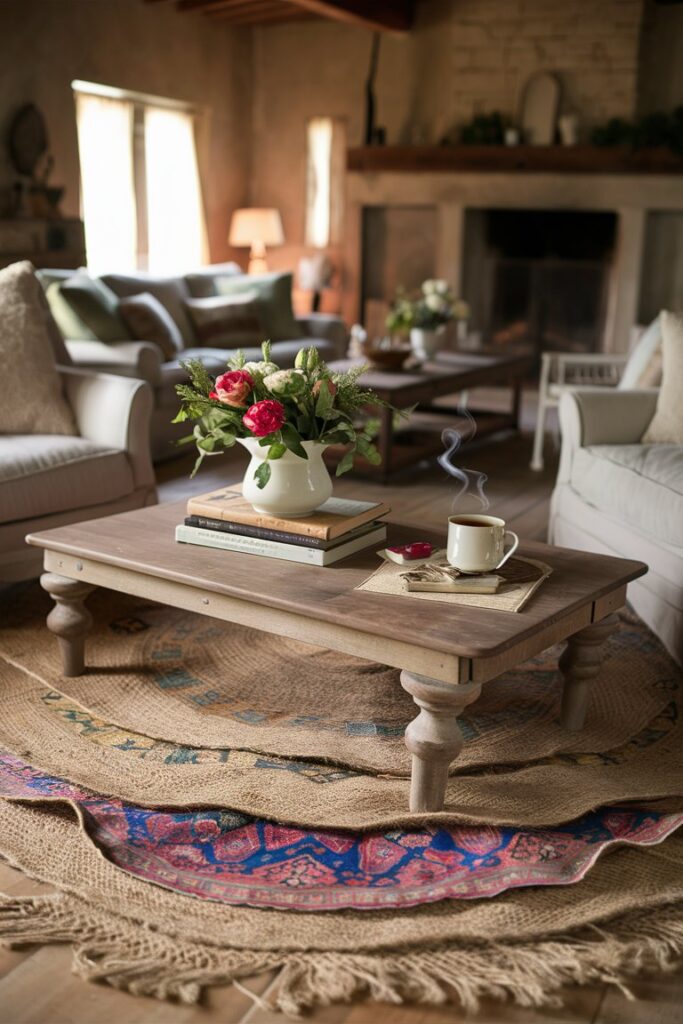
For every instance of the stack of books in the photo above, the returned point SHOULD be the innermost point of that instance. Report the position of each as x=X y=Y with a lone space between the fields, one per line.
x=339 y=528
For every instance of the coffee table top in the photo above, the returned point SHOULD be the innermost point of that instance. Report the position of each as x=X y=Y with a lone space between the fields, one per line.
x=446 y=371
x=142 y=542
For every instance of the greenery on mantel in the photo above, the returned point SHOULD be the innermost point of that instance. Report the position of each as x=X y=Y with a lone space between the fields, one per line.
x=651 y=130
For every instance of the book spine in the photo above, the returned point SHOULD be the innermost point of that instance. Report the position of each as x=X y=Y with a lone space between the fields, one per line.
x=261 y=532
x=249 y=545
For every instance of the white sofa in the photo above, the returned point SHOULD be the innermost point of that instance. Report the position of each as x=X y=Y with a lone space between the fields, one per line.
x=50 y=480
x=617 y=496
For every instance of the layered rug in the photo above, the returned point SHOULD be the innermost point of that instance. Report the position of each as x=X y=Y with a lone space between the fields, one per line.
x=625 y=917
x=189 y=842
x=194 y=681
x=49 y=731
x=238 y=860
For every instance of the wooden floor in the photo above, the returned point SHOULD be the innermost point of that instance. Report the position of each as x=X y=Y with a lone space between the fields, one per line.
x=36 y=986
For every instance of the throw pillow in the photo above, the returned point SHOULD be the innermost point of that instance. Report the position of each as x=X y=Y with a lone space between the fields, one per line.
x=33 y=401
x=641 y=367
x=88 y=302
x=170 y=291
x=230 y=321
x=275 y=294
x=666 y=426
x=201 y=282
x=147 y=320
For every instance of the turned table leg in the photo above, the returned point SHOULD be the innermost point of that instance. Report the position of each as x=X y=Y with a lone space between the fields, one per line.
x=434 y=738
x=69 y=620
x=580 y=664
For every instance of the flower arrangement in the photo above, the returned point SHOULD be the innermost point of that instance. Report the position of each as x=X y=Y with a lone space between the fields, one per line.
x=434 y=306
x=280 y=408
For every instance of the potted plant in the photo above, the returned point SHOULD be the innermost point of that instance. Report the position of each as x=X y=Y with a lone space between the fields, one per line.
x=425 y=318
x=285 y=419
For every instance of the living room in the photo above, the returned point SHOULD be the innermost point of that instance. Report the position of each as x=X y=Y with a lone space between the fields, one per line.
x=341 y=492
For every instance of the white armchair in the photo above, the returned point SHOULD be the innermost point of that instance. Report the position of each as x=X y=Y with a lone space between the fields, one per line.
x=617 y=496
x=563 y=370
x=51 y=480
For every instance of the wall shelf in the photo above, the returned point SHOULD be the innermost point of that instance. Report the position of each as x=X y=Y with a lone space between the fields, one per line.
x=528 y=159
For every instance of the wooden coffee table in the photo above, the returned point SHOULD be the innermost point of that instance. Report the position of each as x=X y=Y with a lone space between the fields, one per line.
x=448 y=373
x=445 y=653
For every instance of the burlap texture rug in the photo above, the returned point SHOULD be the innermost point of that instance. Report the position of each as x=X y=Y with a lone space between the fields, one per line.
x=50 y=731
x=198 y=682
x=624 y=918
x=235 y=859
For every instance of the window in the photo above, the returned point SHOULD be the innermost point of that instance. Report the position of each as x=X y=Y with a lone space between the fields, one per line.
x=324 y=180
x=140 y=187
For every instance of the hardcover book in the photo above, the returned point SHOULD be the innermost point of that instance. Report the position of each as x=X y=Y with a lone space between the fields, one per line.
x=301 y=540
x=334 y=518
x=272 y=549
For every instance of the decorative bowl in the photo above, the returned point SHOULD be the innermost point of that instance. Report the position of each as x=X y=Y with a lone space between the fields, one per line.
x=390 y=358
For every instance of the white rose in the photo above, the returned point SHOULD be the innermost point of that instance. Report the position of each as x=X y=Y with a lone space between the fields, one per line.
x=433 y=302
x=261 y=369
x=428 y=287
x=441 y=287
x=278 y=382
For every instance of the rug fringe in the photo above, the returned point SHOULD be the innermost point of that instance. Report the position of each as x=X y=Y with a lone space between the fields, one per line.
x=128 y=955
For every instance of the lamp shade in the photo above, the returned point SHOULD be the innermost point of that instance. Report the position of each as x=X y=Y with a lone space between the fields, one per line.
x=256 y=224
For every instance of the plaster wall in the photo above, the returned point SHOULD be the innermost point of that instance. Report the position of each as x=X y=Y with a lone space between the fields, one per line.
x=149 y=48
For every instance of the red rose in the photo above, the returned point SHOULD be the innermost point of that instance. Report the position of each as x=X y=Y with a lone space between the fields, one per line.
x=264 y=417
x=232 y=388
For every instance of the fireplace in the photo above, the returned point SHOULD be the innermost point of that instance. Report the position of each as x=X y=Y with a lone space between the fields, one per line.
x=538 y=280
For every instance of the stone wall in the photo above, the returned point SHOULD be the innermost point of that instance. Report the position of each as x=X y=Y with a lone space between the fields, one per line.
x=149 y=48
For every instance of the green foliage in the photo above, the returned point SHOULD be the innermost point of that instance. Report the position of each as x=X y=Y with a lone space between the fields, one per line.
x=262 y=475
x=651 y=130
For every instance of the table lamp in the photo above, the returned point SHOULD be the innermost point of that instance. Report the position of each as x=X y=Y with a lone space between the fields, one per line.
x=255 y=228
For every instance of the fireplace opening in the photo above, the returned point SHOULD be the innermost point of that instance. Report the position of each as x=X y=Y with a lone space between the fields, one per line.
x=537 y=280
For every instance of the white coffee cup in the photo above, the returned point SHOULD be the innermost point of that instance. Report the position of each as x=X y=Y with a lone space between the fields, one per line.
x=478 y=543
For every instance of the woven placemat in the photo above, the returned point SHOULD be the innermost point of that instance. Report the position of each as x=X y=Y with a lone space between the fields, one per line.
x=511 y=596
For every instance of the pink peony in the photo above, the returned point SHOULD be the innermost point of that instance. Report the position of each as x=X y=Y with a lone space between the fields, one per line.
x=233 y=388
x=264 y=417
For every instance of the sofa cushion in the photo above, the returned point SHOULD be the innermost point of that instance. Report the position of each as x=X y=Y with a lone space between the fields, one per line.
x=639 y=484
x=147 y=320
x=32 y=400
x=42 y=474
x=666 y=426
x=275 y=295
x=227 y=321
x=170 y=291
x=86 y=305
x=202 y=282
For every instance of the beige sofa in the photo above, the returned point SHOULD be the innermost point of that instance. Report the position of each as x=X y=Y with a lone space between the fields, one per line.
x=51 y=480
x=617 y=496
x=145 y=360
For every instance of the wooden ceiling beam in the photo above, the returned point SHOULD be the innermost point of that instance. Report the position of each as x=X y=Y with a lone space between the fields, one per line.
x=262 y=16
x=380 y=15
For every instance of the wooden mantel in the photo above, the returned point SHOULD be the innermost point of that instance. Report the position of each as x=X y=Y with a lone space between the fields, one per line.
x=563 y=159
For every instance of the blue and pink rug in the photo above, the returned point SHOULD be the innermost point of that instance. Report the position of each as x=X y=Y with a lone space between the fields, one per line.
x=235 y=859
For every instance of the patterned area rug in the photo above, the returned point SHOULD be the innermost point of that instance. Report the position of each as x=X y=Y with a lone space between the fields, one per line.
x=232 y=858
x=190 y=680
x=623 y=918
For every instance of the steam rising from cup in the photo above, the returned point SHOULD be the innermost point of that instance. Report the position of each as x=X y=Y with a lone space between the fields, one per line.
x=471 y=482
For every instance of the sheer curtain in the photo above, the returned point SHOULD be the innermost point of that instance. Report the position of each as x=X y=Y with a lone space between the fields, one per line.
x=176 y=232
x=105 y=143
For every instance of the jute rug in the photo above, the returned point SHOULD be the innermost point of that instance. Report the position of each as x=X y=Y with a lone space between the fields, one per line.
x=625 y=917
x=237 y=859
x=191 y=680
x=51 y=732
